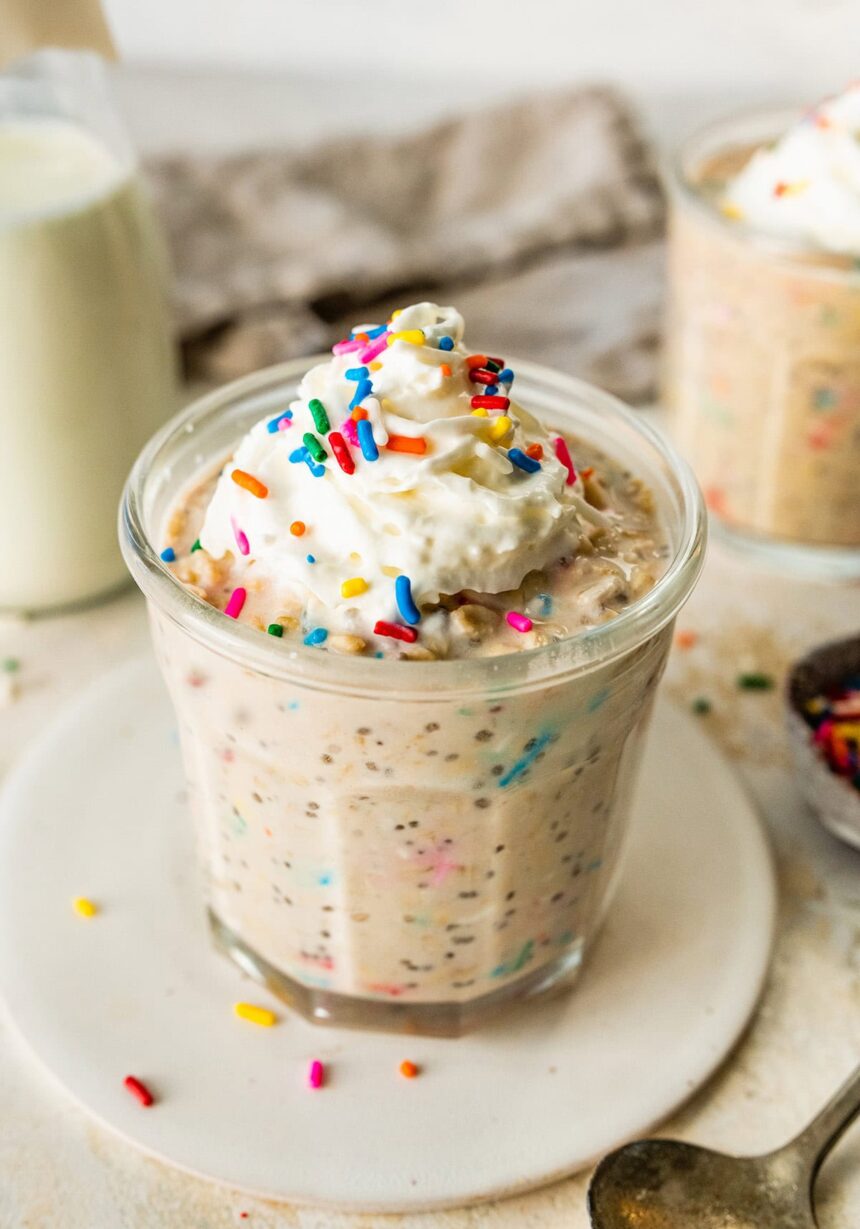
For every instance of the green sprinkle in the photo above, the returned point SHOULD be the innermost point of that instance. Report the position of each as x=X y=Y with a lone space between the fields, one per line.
x=320 y=418
x=314 y=447
x=275 y=629
x=755 y=682
x=196 y=546
x=491 y=366
x=11 y=665
x=701 y=706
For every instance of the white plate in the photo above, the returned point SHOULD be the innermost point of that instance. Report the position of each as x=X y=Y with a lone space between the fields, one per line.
x=95 y=809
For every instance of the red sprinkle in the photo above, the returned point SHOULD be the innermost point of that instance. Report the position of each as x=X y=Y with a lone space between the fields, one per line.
x=341 y=453
x=396 y=631
x=479 y=376
x=490 y=403
x=563 y=453
x=139 y=1090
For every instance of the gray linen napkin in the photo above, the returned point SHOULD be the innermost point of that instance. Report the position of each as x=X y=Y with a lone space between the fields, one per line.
x=502 y=211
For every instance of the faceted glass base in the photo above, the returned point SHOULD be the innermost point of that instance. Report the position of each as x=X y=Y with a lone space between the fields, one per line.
x=421 y=1019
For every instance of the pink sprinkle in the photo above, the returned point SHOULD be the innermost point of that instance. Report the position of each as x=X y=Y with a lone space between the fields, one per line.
x=316 y=1074
x=376 y=347
x=237 y=600
x=347 y=345
x=349 y=430
x=285 y=424
x=563 y=453
x=520 y=622
x=241 y=538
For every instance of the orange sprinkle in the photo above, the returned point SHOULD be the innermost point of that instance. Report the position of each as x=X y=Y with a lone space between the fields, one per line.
x=535 y=452
x=297 y=528
x=686 y=639
x=446 y=370
x=586 y=473
x=250 y=483
x=476 y=360
x=359 y=413
x=362 y=337
x=408 y=1069
x=407 y=443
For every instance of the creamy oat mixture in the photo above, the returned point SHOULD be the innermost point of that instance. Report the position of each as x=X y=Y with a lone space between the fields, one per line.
x=405 y=504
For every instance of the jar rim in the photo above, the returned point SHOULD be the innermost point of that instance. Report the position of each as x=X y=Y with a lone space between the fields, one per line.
x=360 y=675
x=775 y=120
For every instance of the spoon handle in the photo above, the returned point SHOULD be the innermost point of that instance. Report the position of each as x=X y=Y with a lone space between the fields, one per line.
x=812 y=1145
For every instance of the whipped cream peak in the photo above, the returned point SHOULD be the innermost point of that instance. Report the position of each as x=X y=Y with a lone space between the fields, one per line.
x=806 y=186
x=402 y=455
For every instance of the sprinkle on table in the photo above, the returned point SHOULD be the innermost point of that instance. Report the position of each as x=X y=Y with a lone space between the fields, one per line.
x=523 y=462
x=408 y=1069
x=701 y=706
x=316 y=1074
x=755 y=681
x=409 y=612
x=341 y=452
x=519 y=622
x=366 y=442
x=237 y=600
x=320 y=417
x=407 y=443
x=139 y=1090
x=395 y=631
x=249 y=483
x=275 y=629
x=255 y=1015
x=84 y=907
x=314 y=447
x=686 y=639
x=317 y=635
x=297 y=528
x=168 y=555
x=563 y=453
x=354 y=587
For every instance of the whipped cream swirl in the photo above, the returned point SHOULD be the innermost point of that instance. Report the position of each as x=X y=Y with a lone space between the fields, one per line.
x=453 y=501
x=806 y=187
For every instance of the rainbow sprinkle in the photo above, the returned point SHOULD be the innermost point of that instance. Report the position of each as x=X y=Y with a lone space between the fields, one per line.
x=139 y=1090
x=317 y=635
x=320 y=417
x=563 y=453
x=280 y=423
x=316 y=1074
x=363 y=389
x=353 y=587
x=341 y=452
x=366 y=441
x=413 y=337
x=446 y=343
x=487 y=402
x=241 y=538
x=528 y=464
x=395 y=631
x=237 y=600
x=168 y=554
x=275 y=629
x=84 y=907
x=356 y=373
x=407 y=443
x=409 y=612
x=519 y=622
x=249 y=483
x=314 y=447
x=196 y=546
x=255 y=1015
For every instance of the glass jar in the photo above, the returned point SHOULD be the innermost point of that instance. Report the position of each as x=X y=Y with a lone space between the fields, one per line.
x=762 y=370
x=86 y=358
x=405 y=844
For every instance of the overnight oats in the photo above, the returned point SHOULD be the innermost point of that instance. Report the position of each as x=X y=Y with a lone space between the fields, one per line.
x=412 y=610
x=763 y=332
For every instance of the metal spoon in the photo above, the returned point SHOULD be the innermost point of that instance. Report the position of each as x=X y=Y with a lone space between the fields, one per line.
x=663 y=1184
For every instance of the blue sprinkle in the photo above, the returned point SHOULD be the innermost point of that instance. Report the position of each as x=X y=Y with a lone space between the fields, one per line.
x=522 y=765
x=318 y=635
x=311 y=558
x=316 y=470
x=405 y=601
x=325 y=879
x=506 y=376
x=357 y=373
x=274 y=423
x=372 y=333
x=446 y=343
x=545 y=604
x=365 y=388
x=168 y=554
x=379 y=653
x=519 y=458
x=299 y=454
x=293 y=706
x=491 y=390
x=366 y=441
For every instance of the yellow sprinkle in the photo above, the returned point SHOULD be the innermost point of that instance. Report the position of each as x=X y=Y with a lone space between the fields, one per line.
x=376 y=366
x=84 y=907
x=397 y=313
x=391 y=573
x=255 y=1015
x=352 y=588
x=480 y=412
x=415 y=337
x=733 y=212
x=500 y=428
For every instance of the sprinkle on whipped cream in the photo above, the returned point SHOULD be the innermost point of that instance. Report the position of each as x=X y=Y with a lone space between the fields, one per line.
x=806 y=186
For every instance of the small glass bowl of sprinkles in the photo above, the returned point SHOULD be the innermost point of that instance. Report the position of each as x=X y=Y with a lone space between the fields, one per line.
x=823 y=699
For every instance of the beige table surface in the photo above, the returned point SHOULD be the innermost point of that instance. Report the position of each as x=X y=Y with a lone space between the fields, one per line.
x=59 y=1170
